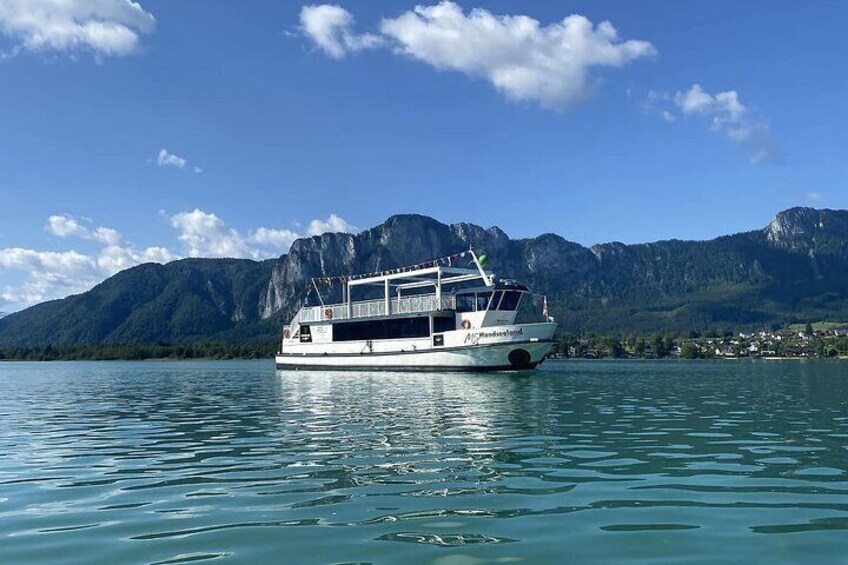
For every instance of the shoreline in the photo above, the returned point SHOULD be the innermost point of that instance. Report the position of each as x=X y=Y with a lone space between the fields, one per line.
x=770 y=358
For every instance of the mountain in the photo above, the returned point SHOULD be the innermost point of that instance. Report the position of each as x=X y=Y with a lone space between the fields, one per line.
x=184 y=301
x=793 y=270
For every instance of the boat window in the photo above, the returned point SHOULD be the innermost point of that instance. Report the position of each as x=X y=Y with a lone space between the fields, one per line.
x=392 y=328
x=443 y=324
x=495 y=299
x=510 y=300
x=483 y=300
x=465 y=302
x=305 y=334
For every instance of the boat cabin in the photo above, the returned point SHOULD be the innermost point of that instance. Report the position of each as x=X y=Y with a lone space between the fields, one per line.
x=417 y=302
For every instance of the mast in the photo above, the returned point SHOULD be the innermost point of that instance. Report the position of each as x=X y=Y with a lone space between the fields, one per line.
x=489 y=280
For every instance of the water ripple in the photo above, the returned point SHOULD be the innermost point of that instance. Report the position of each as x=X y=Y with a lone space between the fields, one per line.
x=166 y=463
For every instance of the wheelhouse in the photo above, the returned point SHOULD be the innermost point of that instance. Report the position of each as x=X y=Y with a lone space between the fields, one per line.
x=505 y=298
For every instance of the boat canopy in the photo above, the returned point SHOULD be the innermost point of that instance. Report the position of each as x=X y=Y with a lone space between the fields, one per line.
x=437 y=273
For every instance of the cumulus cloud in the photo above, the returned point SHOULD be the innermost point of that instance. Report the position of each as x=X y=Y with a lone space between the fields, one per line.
x=204 y=234
x=331 y=28
x=55 y=274
x=730 y=117
x=332 y=224
x=49 y=274
x=107 y=236
x=115 y=258
x=64 y=225
x=274 y=238
x=523 y=59
x=104 y=27
x=165 y=159
x=114 y=255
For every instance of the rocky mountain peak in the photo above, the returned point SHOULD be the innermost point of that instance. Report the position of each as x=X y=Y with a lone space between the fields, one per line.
x=806 y=229
x=793 y=224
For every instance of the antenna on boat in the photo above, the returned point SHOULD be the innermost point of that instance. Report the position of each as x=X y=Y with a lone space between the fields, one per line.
x=318 y=292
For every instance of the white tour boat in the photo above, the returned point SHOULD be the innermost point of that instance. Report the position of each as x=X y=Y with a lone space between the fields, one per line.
x=443 y=316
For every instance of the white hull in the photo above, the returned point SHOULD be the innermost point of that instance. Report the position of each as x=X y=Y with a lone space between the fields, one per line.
x=498 y=348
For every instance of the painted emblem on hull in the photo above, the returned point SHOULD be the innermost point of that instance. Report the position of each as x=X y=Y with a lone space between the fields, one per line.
x=474 y=338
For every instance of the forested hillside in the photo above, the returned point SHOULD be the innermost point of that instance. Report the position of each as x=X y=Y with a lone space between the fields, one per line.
x=792 y=271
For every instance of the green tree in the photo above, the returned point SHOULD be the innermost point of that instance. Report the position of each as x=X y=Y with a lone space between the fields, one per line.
x=660 y=346
x=690 y=351
x=639 y=347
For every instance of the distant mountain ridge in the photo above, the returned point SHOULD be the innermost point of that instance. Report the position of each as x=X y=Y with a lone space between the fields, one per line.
x=793 y=270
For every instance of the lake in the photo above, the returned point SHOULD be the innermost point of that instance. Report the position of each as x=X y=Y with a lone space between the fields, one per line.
x=613 y=461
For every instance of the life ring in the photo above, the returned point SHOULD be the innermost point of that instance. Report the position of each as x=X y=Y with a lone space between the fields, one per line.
x=286 y=333
x=328 y=313
x=466 y=324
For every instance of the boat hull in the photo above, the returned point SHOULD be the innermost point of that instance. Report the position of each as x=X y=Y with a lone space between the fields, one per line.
x=514 y=355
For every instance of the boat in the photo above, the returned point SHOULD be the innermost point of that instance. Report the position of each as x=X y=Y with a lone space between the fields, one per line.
x=444 y=314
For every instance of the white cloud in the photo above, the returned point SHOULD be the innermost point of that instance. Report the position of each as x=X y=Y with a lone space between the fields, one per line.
x=107 y=236
x=64 y=226
x=526 y=61
x=165 y=159
x=105 y=27
x=730 y=117
x=204 y=234
x=55 y=274
x=69 y=262
x=332 y=224
x=813 y=196
x=49 y=274
x=330 y=27
x=278 y=239
x=114 y=258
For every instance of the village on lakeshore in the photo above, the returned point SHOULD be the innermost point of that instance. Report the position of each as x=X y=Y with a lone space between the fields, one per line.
x=798 y=341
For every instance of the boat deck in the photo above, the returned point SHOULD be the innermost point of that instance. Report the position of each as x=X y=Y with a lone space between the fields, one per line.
x=420 y=303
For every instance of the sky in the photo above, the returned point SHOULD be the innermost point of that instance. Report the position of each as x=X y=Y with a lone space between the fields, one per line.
x=152 y=130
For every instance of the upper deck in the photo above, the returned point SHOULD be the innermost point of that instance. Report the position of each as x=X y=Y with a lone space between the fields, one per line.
x=421 y=303
x=437 y=274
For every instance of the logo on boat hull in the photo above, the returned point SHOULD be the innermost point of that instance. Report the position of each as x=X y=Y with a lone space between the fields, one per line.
x=475 y=337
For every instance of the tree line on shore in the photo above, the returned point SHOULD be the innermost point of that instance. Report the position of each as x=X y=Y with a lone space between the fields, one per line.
x=822 y=342
x=139 y=351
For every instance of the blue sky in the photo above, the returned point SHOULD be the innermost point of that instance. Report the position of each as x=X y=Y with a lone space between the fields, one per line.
x=209 y=129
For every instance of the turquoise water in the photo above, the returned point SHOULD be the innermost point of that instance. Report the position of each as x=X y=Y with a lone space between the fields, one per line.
x=157 y=462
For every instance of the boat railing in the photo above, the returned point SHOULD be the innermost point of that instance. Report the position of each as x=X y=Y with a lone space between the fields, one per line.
x=418 y=303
